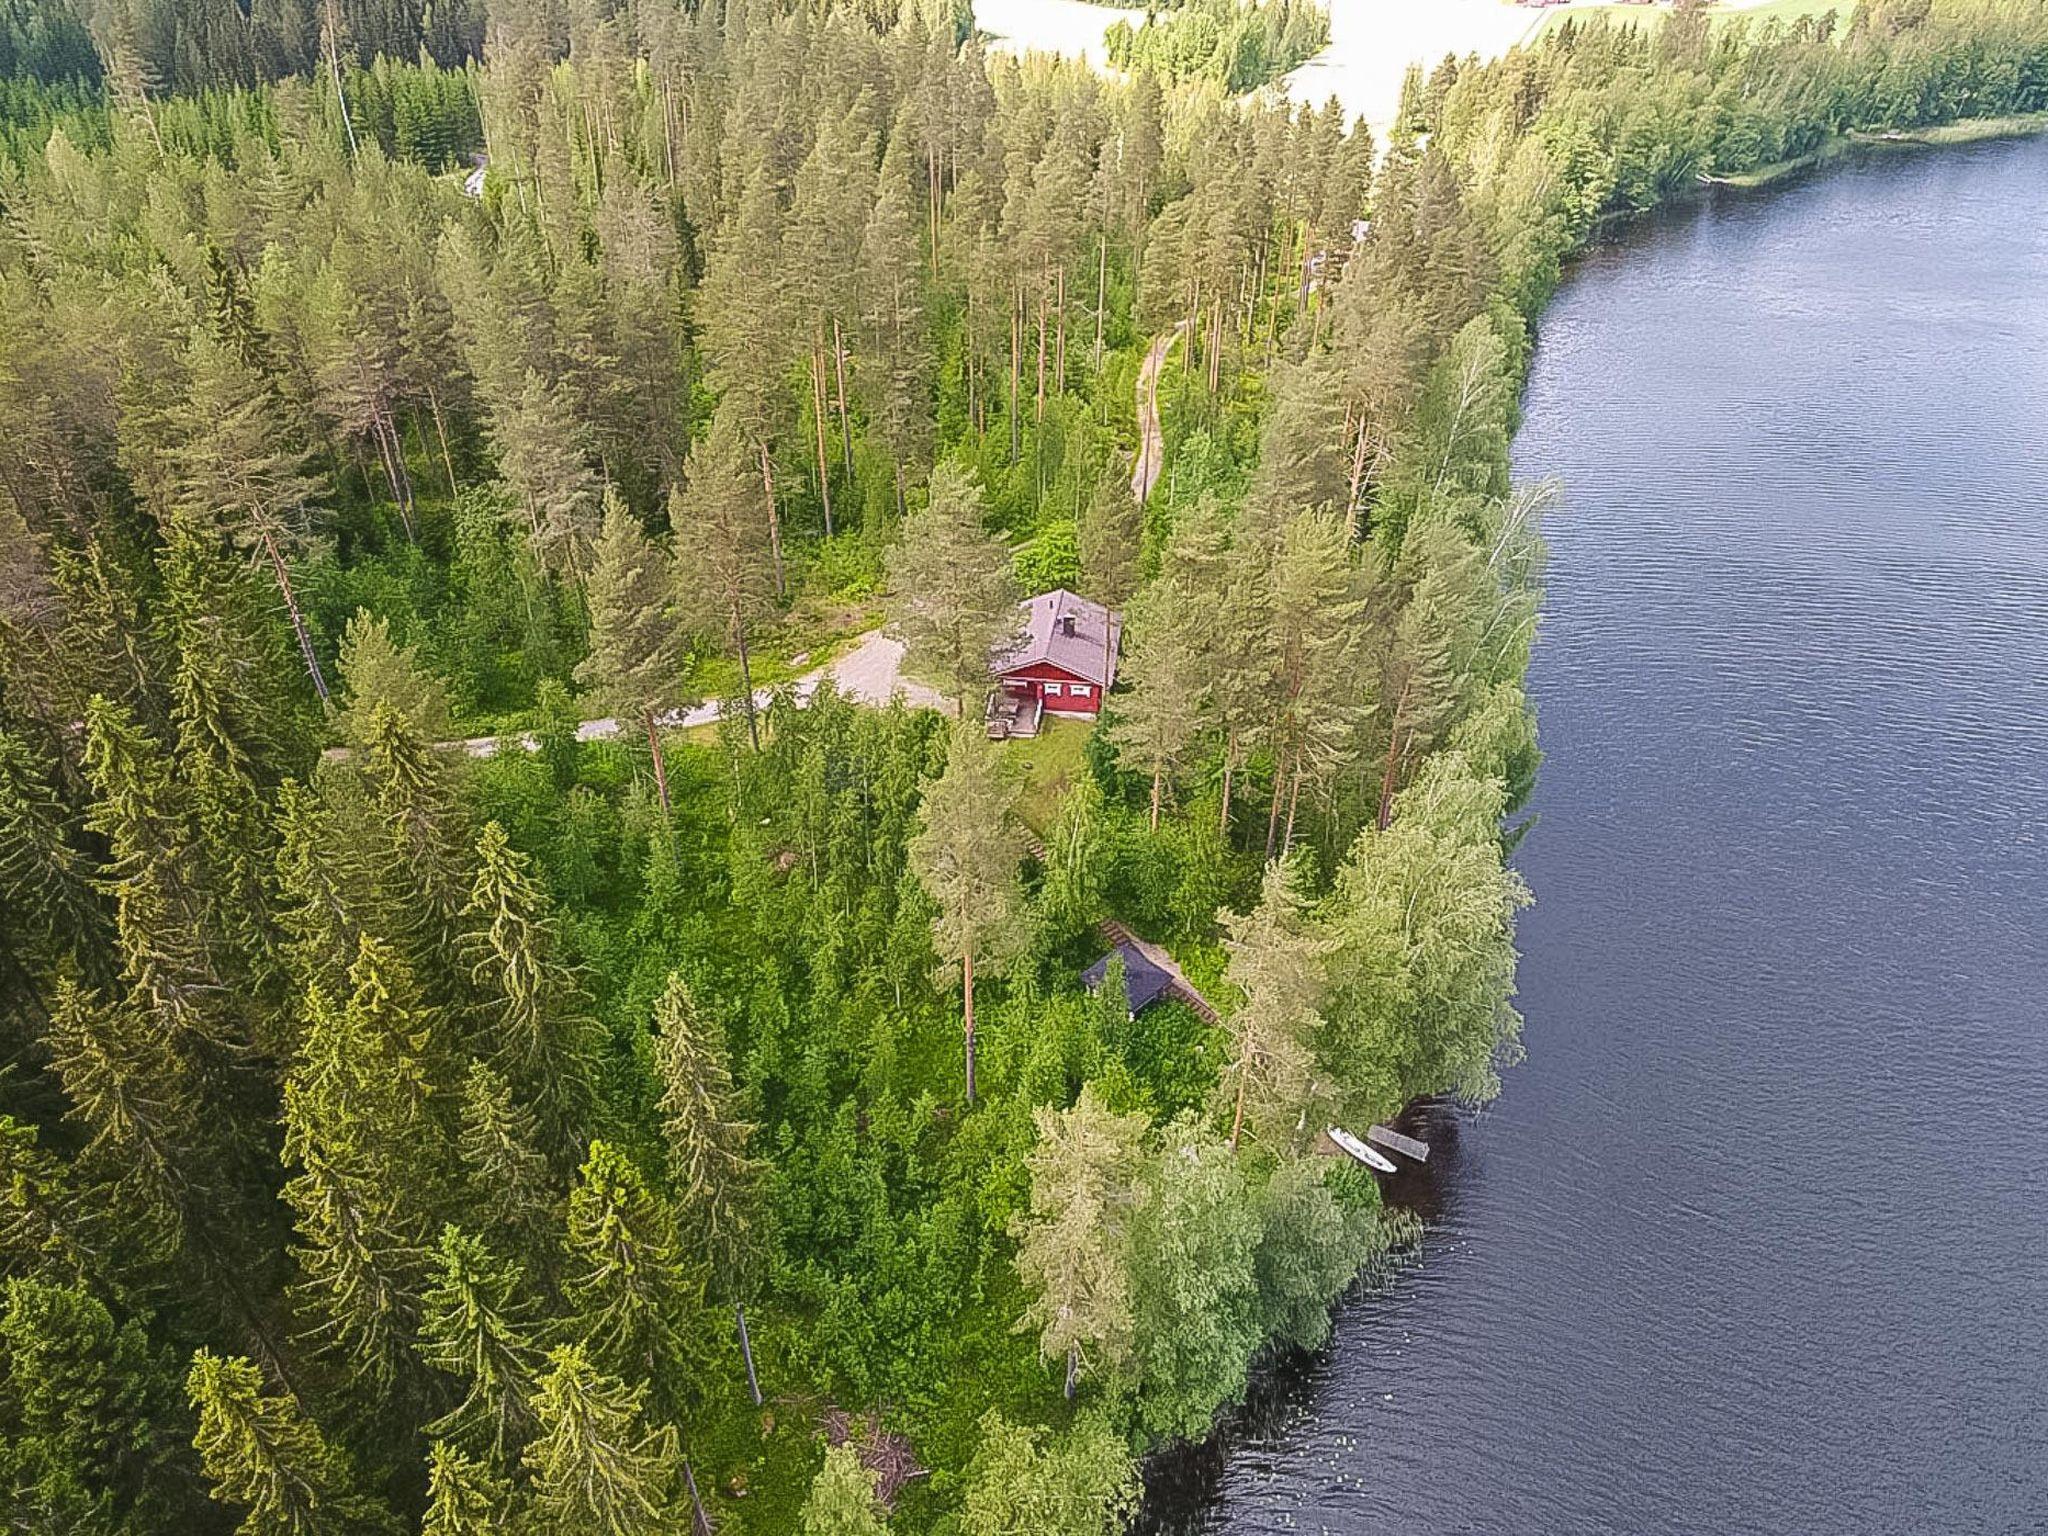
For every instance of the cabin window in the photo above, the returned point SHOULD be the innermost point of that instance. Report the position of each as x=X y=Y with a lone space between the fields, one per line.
x=1079 y=690
x=1051 y=689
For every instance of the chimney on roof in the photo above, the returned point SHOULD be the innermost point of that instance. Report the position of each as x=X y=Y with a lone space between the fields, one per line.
x=1066 y=624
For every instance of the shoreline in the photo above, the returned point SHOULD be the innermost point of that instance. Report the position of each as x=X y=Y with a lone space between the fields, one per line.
x=1968 y=130
x=1216 y=1447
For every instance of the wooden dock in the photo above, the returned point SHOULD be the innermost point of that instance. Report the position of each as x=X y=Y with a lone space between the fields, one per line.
x=1394 y=1141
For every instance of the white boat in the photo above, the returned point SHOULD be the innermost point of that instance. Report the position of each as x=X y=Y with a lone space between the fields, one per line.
x=1358 y=1149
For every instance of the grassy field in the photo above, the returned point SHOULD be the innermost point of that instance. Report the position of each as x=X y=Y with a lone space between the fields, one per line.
x=1046 y=764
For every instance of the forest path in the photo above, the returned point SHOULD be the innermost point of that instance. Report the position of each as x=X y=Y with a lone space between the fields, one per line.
x=871 y=673
x=1151 y=440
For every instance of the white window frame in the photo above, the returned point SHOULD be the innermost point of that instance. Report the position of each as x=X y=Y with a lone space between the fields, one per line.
x=1052 y=690
x=1080 y=690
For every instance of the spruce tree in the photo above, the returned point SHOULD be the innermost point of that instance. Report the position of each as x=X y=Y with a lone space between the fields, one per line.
x=596 y=1469
x=356 y=1127
x=156 y=882
x=475 y=1326
x=954 y=597
x=626 y=1285
x=466 y=1498
x=510 y=1188
x=91 y=1407
x=140 y=1108
x=634 y=667
x=1111 y=538
x=44 y=874
x=428 y=867
x=265 y=1457
x=325 y=883
x=377 y=672
x=532 y=1014
x=41 y=1233
x=717 y=1183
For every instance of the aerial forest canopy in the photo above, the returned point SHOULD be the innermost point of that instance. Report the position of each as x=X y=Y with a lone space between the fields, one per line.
x=581 y=1137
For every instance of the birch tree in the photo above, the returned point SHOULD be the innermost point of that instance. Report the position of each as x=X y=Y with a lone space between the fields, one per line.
x=1072 y=1248
x=1277 y=963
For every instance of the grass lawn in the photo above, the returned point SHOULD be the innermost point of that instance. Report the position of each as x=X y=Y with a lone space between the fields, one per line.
x=1047 y=763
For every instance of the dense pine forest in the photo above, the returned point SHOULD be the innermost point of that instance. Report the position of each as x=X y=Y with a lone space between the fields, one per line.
x=653 y=1129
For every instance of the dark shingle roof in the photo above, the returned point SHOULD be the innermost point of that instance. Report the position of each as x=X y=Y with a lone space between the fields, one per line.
x=1144 y=982
x=1045 y=637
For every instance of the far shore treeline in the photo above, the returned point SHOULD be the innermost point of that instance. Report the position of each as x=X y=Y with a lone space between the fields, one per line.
x=659 y=1130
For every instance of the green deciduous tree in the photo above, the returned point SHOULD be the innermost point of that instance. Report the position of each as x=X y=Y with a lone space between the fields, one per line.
x=842 y=1499
x=1194 y=1293
x=1073 y=1241
x=1082 y=1482
x=1423 y=912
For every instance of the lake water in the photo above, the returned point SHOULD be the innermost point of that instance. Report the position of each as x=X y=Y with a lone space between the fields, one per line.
x=1757 y=1239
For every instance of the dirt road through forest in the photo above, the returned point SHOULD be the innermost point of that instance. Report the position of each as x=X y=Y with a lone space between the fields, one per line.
x=1151 y=441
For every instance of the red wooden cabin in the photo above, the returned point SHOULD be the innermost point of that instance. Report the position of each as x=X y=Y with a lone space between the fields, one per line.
x=1062 y=663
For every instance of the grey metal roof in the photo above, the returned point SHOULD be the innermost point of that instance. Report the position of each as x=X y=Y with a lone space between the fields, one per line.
x=1046 y=637
x=1144 y=982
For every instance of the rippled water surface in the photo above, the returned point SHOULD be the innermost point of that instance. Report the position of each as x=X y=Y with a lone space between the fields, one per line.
x=1757 y=1239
